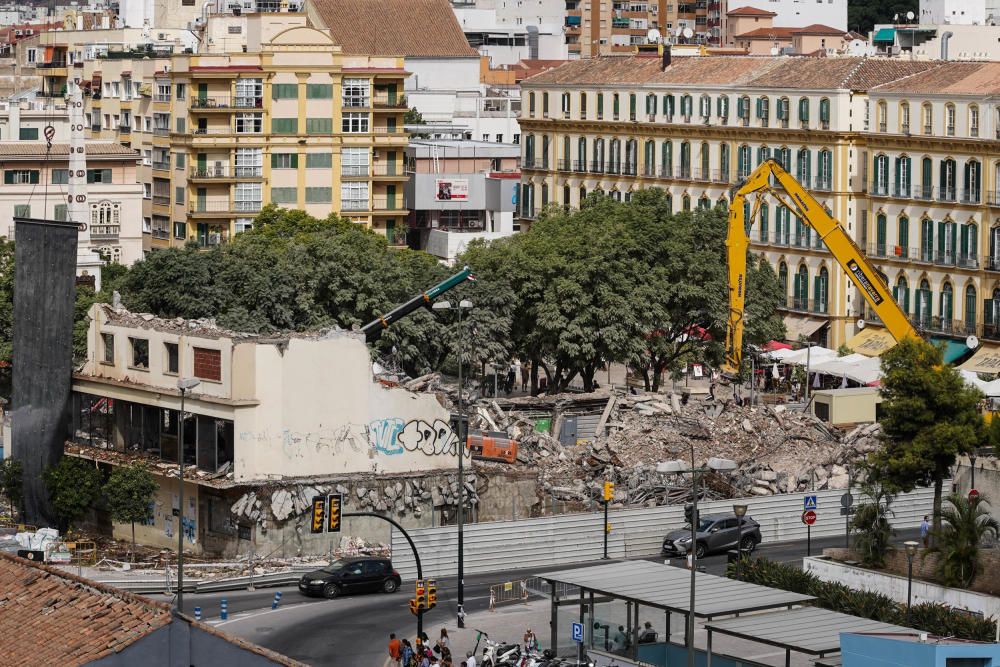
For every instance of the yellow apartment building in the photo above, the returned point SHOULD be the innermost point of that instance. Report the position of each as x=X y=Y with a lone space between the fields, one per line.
x=903 y=153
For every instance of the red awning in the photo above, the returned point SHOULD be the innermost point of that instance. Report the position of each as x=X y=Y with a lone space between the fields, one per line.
x=772 y=345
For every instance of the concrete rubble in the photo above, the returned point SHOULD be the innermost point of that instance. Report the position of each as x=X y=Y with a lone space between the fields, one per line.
x=778 y=450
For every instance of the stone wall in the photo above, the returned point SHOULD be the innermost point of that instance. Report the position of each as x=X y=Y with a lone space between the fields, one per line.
x=987 y=582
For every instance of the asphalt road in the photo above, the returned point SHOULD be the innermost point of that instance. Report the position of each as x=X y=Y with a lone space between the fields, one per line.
x=351 y=631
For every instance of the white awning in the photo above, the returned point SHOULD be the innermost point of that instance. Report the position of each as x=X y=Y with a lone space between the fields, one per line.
x=797 y=327
x=814 y=355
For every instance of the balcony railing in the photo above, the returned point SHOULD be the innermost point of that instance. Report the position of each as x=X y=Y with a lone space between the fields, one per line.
x=384 y=168
x=246 y=206
x=161 y=200
x=162 y=234
x=245 y=102
x=161 y=164
x=249 y=172
x=354 y=205
x=355 y=170
x=211 y=103
x=387 y=130
x=806 y=305
x=104 y=232
x=385 y=101
x=161 y=131
x=161 y=98
x=125 y=129
x=210 y=172
x=55 y=64
x=383 y=203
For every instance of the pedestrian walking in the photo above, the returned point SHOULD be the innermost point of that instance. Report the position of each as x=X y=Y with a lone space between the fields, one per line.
x=443 y=641
x=925 y=531
x=470 y=659
x=530 y=640
x=394 y=648
x=511 y=375
x=406 y=653
x=525 y=375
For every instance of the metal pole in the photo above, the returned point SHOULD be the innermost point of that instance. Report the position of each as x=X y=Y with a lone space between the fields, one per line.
x=808 y=357
x=909 y=587
x=579 y=645
x=461 y=484
x=180 y=512
x=847 y=517
x=739 y=547
x=605 y=530
x=753 y=378
x=694 y=557
x=809 y=534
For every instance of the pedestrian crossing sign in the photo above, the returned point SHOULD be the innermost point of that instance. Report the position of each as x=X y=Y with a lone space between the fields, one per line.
x=809 y=502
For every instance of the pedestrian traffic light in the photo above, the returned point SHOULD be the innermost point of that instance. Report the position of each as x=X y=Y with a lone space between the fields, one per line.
x=690 y=514
x=318 y=514
x=421 y=590
x=333 y=520
x=609 y=491
x=432 y=593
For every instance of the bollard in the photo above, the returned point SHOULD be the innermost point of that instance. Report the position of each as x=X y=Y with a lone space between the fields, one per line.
x=277 y=599
x=224 y=612
x=197 y=613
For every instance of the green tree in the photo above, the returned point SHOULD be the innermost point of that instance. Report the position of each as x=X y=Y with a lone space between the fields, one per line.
x=870 y=523
x=965 y=523
x=12 y=483
x=930 y=416
x=862 y=15
x=129 y=491
x=6 y=300
x=74 y=487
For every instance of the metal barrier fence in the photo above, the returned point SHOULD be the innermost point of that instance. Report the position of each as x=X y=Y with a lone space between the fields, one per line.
x=508 y=591
x=82 y=553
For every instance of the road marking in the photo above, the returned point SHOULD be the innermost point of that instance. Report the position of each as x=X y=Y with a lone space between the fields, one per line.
x=242 y=616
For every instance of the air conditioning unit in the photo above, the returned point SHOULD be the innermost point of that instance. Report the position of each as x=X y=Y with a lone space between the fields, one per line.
x=161 y=36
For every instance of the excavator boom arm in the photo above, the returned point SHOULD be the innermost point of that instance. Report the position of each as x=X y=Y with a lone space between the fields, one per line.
x=373 y=330
x=765 y=179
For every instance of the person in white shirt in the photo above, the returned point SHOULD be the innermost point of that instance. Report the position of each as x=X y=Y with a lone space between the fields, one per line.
x=470 y=660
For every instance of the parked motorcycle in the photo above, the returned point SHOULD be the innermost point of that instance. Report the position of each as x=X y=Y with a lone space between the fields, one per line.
x=499 y=654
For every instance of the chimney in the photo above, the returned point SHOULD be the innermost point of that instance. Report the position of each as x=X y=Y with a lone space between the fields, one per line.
x=944 y=44
x=665 y=63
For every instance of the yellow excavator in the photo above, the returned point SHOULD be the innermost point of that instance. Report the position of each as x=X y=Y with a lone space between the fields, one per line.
x=771 y=179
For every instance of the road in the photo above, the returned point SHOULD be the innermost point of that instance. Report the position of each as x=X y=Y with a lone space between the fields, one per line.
x=352 y=631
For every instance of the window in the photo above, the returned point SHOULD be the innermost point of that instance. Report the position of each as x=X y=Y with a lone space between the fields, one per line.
x=28 y=134
x=207 y=364
x=901 y=293
x=783 y=277
x=179 y=194
x=705 y=107
x=615 y=106
x=723 y=163
x=923 y=305
x=565 y=105
x=583 y=108
x=140 y=353
x=903 y=177
x=32 y=56
x=970 y=308
x=284 y=160
x=926 y=178
x=181 y=90
x=973 y=120
x=743 y=167
x=668 y=107
x=880 y=235
x=354 y=196
x=600 y=105
x=61 y=213
x=783 y=111
x=108 y=340
x=284 y=125
x=947 y=180
x=59 y=176
x=355 y=123
x=880 y=186
x=319 y=126
x=20 y=176
x=801 y=289
x=969 y=246
x=284 y=91
x=949 y=119
x=180 y=230
x=319 y=91
x=971 y=182
x=319 y=195
x=927 y=240
x=98 y=175
x=249 y=93
x=248 y=196
x=762 y=221
x=243 y=225
x=22 y=211
x=319 y=160
x=821 y=288
x=881 y=116
x=102 y=215
x=824 y=113
x=687 y=107
x=249 y=162
x=903 y=236
x=531 y=103
x=284 y=195
x=354 y=161
x=804 y=166
x=545 y=105
x=804 y=112
x=251 y=123
x=181 y=126
x=763 y=111
x=904 y=117
x=824 y=177
x=927 y=112
x=631 y=106
x=722 y=108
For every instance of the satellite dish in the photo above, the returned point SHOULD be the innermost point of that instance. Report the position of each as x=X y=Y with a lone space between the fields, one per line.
x=972 y=342
x=688 y=33
x=775 y=50
x=653 y=35
x=909 y=16
x=861 y=324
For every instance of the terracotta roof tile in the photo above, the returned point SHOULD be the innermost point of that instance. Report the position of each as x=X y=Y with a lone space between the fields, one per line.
x=951 y=78
x=393 y=27
x=768 y=33
x=837 y=73
x=749 y=11
x=37 y=149
x=818 y=29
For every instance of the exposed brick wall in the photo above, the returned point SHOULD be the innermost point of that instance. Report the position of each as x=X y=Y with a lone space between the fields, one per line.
x=207 y=364
x=923 y=567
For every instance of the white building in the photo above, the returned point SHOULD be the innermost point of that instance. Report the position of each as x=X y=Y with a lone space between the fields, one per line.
x=797 y=13
x=162 y=14
x=956 y=12
x=510 y=32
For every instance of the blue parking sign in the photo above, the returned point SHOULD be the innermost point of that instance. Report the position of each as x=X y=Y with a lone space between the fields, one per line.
x=809 y=502
x=578 y=632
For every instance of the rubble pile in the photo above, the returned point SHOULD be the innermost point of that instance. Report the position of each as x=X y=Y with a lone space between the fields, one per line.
x=777 y=450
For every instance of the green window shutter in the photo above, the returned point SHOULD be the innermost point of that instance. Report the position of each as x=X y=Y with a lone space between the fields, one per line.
x=617 y=105
x=180 y=160
x=804 y=109
x=319 y=125
x=22 y=211
x=319 y=195
x=545 y=103
x=61 y=212
x=8 y=177
x=284 y=195
x=284 y=91
x=319 y=91
x=319 y=160
x=940 y=243
x=33 y=176
x=904 y=234
x=824 y=110
x=284 y=125
x=181 y=125
x=600 y=104
x=631 y=105
x=28 y=134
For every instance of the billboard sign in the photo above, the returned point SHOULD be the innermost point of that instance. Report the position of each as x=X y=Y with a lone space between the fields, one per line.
x=451 y=189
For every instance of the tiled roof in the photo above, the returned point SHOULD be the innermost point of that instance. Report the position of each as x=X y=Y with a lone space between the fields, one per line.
x=750 y=11
x=426 y=28
x=951 y=78
x=37 y=149
x=818 y=29
x=768 y=33
x=737 y=71
x=54 y=618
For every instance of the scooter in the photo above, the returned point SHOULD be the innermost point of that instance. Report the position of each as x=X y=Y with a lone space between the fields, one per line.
x=499 y=654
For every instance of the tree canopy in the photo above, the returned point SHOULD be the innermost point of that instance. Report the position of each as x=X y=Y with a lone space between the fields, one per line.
x=862 y=15
x=74 y=487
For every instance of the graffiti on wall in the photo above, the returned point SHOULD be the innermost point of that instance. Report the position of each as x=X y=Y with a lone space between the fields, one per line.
x=390 y=436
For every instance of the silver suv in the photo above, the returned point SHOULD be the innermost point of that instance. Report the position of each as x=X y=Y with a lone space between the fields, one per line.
x=716 y=532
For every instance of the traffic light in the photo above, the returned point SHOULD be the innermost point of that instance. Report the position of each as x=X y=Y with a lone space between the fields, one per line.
x=432 y=593
x=690 y=515
x=319 y=514
x=414 y=606
x=333 y=520
x=418 y=604
x=609 y=491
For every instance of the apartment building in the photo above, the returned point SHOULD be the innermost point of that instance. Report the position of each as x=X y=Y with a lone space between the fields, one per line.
x=803 y=12
x=603 y=27
x=754 y=31
x=35 y=185
x=902 y=153
x=25 y=119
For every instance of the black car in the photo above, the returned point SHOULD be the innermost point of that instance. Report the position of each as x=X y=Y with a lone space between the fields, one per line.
x=351 y=575
x=716 y=532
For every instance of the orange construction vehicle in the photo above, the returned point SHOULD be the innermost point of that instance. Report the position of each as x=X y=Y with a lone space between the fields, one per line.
x=491 y=446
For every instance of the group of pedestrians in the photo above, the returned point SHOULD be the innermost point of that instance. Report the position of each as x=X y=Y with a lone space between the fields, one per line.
x=516 y=371
x=404 y=654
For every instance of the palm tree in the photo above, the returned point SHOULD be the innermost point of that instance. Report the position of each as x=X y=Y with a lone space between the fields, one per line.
x=964 y=525
x=871 y=523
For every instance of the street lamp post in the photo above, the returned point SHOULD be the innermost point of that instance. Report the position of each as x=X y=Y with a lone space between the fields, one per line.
x=911 y=551
x=678 y=466
x=972 y=461
x=464 y=304
x=185 y=385
x=740 y=511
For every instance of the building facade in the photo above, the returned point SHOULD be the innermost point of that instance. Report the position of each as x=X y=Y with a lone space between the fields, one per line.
x=902 y=153
x=802 y=12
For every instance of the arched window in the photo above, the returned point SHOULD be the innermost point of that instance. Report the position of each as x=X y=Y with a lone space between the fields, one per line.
x=529 y=151
x=803 y=167
x=901 y=294
x=969 y=246
x=783 y=111
x=992 y=315
x=803 y=232
x=686 y=203
x=567 y=150
x=904 y=177
x=922 y=307
x=706 y=162
x=565 y=104
x=904 y=117
x=668 y=107
x=972 y=182
x=743 y=110
x=667 y=159
x=631 y=157
x=927 y=117
x=762 y=222
x=743 y=164
x=970 y=309
x=616 y=106
x=946 y=180
x=600 y=106
x=632 y=106
x=545 y=151
x=804 y=112
x=880 y=232
x=783 y=277
x=763 y=155
x=649 y=158
x=821 y=288
x=763 y=111
x=782 y=229
x=949 y=119
x=598 y=165
x=882 y=116
x=685 y=160
x=973 y=120
x=704 y=203
x=724 y=163
x=784 y=157
x=824 y=113
x=800 y=293
x=722 y=202
x=903 y=237
x=947 y=242
x=581 y=154
x=687 y=107
x=824 y=179
x=651 y=106
x=615 y=156
x=946 y=308
x=927 y=240
x=545 y=105
x=705 y=107
x=926 y=179
x=722 y=108
x=566 y=196
x=880 y=173
x=583 y=196
x=583 y=105
x=545 y=194
x=531 y=103
x=670 y=203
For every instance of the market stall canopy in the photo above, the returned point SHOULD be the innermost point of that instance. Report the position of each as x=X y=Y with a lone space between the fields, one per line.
x=872 y=341
x=985 y=360
x=772 y=345
x=953 y=350
x=814 y=356
x=797 y=327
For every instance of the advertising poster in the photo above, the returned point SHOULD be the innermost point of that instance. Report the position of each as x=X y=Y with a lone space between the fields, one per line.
x=451 y=189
